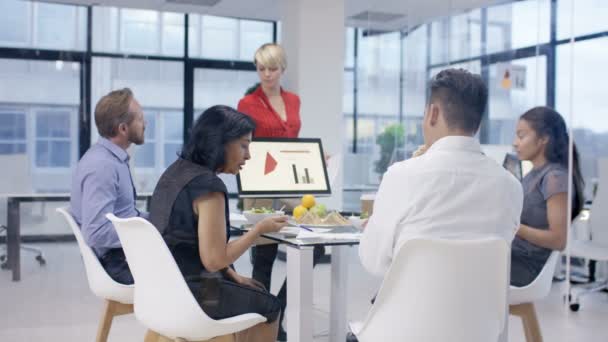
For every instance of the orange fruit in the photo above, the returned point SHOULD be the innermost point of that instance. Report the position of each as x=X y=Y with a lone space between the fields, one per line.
x=299 y=211
x=308 y=201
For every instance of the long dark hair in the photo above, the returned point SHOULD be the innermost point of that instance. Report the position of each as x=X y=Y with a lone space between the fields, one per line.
x=214 y=128
x=547 y=122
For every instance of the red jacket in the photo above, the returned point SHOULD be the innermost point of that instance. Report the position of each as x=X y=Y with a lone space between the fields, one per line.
x=268 y=123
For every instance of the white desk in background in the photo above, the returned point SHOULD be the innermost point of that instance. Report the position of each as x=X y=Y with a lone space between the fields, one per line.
x=13 y=222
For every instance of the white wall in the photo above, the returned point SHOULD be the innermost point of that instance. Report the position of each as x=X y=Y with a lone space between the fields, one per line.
x=313 y=34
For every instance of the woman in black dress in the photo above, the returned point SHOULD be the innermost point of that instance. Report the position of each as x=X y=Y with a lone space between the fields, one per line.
x=190 y=209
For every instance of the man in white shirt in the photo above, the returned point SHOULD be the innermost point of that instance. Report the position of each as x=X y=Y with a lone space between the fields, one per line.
x=452 y=190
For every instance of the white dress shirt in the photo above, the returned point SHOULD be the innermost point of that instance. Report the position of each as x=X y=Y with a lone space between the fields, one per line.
x=452 y=191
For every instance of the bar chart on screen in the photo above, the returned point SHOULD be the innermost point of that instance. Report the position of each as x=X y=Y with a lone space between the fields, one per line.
x=285 y=166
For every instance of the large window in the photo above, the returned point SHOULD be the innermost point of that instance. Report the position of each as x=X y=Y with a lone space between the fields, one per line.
x=517 y=25
x=226 y=38
x=39 y=119
x=457 y=37
x=159 y=88
x=217 y=86
x=378 y=86
x=581 y=97
x=143 y=32
x=42 y=25
x=163 y=139
x=172 y=132
x=414 y=74
x=514 y=87
x=144 y=155
x=393 y=70
x=12 y=131
x=584 y=16
x=139 y=31
x=159 y=84
x=53 y=137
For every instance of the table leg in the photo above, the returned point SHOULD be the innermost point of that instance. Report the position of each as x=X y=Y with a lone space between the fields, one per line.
x=338 y=304
x=13 y=238
x=299 y=294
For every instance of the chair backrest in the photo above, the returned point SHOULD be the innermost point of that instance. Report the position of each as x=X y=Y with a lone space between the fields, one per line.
x=163 y=302
x=598 y=218
x=442 y=290
x=101 y=284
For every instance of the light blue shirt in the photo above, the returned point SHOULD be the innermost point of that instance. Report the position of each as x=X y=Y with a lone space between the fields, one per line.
x=102 y=184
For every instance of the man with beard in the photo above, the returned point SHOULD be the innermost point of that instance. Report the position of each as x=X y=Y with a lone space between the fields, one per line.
x=102 y=182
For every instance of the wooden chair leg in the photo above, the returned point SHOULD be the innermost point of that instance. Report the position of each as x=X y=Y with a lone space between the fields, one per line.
x=225 y=338
x=155 y=337
x=527 y=313
x=111 y=309
x=151 y=336
x=106 y=322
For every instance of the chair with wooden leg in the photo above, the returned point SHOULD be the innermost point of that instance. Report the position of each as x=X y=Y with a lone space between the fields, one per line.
x=118 y=297
x=521 y=299
x=163 y=302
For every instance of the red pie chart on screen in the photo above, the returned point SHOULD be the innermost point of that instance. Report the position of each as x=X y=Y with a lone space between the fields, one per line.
x=283 y=167
x=270 y=165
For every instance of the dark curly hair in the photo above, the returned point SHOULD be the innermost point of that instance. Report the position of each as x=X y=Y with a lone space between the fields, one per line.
x=546 y=122
x=214 y=128
x=463 y=96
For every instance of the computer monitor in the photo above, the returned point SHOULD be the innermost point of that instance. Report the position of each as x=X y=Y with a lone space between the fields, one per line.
x=496 y=152
x=519 y=168
x=282 y=167
x=513 y=165
x=503 y=155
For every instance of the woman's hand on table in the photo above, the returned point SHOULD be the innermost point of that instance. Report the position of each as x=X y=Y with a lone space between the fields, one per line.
x=271 y=224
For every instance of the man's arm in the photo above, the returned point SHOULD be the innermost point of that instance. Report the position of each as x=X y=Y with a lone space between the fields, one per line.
x=99 y=194
x=378 y=240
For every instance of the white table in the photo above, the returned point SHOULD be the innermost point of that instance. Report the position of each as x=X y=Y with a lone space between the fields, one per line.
x=300 y=286
x=13 y=222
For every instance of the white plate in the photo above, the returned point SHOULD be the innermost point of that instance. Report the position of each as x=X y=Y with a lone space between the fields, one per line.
x=254 y=218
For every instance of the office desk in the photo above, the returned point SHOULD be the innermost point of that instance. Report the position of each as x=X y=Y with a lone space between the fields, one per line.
x=299 y=311
x=13 y=220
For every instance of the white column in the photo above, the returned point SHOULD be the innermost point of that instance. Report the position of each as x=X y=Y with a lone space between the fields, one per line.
x=312 y=33
x=300 y=320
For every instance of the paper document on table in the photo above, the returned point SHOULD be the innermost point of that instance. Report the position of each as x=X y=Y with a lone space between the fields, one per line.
x=304 y=234
x=290 y=230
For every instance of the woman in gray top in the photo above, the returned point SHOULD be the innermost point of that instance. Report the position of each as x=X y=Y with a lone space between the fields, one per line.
x=542 y=138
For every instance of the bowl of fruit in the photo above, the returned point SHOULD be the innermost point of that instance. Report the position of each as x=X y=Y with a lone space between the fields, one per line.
x=311 y=213
x=255 y=215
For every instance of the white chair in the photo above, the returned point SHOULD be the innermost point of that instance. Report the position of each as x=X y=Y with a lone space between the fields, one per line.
x=521 y=299
x=595 y=248
x=441 y=290
x=118 y=297
x=163 y=301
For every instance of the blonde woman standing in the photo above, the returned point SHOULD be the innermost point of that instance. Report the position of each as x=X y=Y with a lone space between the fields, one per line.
x=276 y=113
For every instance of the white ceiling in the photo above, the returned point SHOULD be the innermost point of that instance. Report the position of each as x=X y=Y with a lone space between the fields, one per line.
x=414 y=12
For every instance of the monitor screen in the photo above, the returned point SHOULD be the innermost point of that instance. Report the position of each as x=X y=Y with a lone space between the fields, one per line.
x=284 y=168
x=513 y=165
